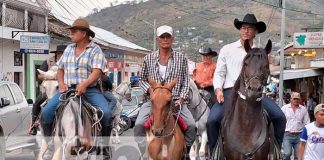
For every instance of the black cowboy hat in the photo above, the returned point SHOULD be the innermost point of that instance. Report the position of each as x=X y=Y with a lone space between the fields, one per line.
x=59 y=48
x=207 y=51
x=250 y=19
x=82 y=24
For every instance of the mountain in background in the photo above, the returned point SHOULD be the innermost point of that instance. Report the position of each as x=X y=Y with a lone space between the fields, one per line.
x=205 y=22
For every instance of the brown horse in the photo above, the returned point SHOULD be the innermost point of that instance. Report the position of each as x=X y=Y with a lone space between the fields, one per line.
x=165 y=138
x=247 y=134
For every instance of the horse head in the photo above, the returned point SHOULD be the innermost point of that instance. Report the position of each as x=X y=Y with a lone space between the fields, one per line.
x=255 y=71
x=49 y=87
x=161 y=98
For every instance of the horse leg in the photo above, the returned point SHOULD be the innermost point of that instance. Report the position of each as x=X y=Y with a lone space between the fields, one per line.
x=193 y=149
x=117 y=135
x=57 y=154
x=202 y=150
x=42 y=150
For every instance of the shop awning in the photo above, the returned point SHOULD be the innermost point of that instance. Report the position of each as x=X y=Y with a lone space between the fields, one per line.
x=299 y=73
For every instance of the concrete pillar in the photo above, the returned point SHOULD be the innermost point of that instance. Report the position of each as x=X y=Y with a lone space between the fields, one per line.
x=46 y=23
x=26 y=20
x=3 y=14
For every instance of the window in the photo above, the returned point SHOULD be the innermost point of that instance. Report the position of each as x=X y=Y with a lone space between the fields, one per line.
x=16 y=91
x=14 y=17
x=36 y=22
x=5 y=93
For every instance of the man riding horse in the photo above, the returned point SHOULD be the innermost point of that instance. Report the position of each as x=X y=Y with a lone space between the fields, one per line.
x=204 y=72
x=164 y=66
x=81 y=65
x=229 y=65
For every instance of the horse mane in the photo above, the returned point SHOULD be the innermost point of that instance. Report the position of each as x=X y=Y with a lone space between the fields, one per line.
x=230 y=107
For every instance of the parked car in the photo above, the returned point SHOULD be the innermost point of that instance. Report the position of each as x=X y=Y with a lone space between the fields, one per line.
x=15 y=115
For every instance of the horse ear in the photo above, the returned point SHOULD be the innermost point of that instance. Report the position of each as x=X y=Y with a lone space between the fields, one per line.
x=171 y=84
x=151 y=82
x=247 y=46
x=268 y=46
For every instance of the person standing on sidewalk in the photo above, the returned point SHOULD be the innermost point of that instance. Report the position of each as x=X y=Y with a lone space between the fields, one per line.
x=297 y=117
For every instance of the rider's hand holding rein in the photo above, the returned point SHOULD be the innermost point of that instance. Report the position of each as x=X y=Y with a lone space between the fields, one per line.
x=179 y=102
x=219 y=95
x=94 y=76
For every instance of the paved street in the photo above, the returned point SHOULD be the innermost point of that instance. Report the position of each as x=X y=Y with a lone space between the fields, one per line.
x=126 y=150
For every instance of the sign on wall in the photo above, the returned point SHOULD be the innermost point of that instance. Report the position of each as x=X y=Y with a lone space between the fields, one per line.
x=34 y=44
x=309 y=40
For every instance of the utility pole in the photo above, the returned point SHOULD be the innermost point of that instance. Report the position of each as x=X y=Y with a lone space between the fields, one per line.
x=154 y=32
x=282 y=52
x=154 y=36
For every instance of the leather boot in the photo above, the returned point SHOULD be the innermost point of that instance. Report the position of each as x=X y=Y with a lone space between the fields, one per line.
x=33 y=128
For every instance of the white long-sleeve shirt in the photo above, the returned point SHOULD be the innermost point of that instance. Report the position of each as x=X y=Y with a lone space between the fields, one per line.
x=229 y=65
x=297 y=120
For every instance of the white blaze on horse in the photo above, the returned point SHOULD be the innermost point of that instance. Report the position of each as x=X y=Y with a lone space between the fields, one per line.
x=200 y=111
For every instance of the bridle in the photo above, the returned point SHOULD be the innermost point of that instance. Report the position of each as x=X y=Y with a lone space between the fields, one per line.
x=247 y=82
x=166 y=120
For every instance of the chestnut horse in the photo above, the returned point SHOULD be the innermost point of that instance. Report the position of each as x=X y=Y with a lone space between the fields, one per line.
x=165 y=138
x=247 y=133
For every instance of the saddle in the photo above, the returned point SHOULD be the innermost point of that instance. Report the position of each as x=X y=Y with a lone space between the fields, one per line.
x=87 y=110
x=181 y=122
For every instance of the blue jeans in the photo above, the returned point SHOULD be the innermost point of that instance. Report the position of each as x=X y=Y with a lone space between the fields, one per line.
x=290 y=142
x=216 y=114
x=94 y=97
x=111 y=99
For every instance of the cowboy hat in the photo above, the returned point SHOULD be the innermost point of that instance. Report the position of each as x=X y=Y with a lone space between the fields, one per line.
x=59 y=48
x=250 y=19
x=207 y=51
x=82 y=24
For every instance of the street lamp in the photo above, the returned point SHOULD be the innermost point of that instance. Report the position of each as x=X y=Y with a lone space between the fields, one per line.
x=154 y=32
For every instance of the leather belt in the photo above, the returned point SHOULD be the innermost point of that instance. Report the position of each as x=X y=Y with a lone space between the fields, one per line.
x=293 y=133
x=226 y=89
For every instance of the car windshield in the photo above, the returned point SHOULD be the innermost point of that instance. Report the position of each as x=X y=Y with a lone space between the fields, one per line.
x=133 y=102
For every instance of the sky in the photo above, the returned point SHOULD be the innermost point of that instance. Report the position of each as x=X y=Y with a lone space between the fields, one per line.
x=73 y=9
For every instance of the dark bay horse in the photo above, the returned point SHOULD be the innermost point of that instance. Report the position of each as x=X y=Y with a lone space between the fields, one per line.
x=165 y=138
x=247 y=134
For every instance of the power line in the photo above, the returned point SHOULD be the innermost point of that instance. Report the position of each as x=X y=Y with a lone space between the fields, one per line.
x=81 y=4
x=65 y=8
x=289 y=9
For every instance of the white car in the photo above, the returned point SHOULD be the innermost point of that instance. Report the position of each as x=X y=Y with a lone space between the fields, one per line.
x=15 y=115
